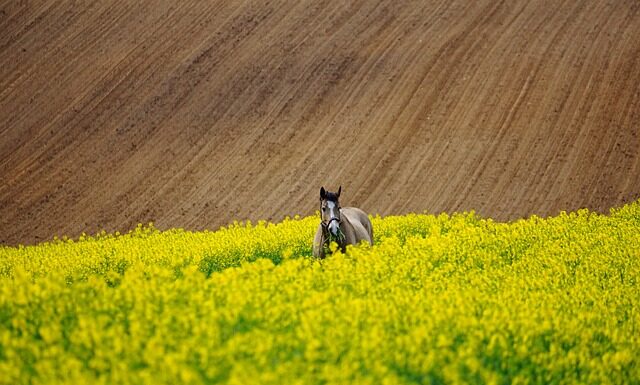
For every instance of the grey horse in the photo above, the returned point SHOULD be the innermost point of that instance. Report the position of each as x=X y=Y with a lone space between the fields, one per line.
x=345 y=226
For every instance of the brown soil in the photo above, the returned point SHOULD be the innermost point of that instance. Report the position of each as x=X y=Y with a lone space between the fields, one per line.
x=192 y=113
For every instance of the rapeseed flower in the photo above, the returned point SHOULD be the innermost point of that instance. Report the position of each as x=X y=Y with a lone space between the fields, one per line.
x=437 y=299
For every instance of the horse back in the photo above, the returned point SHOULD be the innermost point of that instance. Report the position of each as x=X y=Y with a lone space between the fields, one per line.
x=359 y=221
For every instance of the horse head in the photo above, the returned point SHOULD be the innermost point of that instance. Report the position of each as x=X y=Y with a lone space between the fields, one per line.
x=330 y=211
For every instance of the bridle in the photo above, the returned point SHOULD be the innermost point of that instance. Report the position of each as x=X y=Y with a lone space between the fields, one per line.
x=325 y=225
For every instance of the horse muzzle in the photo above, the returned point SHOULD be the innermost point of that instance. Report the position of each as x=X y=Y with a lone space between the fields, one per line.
x=331 y=227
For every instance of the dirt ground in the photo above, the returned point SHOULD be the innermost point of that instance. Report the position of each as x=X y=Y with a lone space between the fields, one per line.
x=195 y=113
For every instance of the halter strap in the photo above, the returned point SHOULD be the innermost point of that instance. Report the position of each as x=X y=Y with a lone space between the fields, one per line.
x=326 y=224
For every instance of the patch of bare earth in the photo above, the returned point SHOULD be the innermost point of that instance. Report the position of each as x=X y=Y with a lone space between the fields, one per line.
x=192 y=114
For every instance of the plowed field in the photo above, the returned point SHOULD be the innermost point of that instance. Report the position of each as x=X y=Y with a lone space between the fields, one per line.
x=195 y=113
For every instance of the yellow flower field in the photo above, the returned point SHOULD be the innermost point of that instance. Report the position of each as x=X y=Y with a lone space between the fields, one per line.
x=438 y=299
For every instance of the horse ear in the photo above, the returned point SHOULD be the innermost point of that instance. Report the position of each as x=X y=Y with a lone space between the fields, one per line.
x=323 y=194
x=339 y=189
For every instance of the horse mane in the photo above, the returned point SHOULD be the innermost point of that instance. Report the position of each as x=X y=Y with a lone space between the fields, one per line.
x=333 y=197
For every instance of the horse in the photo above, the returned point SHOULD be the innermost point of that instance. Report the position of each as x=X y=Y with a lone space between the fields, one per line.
x=345 y=226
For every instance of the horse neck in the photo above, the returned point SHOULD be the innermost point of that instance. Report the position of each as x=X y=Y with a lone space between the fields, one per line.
x=345 y=225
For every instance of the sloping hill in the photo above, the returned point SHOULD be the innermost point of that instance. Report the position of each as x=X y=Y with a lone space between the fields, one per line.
x=192 y=114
